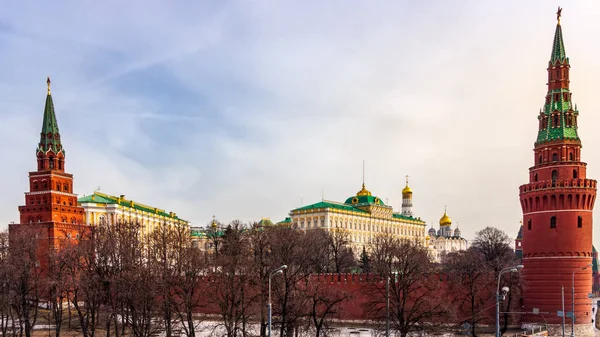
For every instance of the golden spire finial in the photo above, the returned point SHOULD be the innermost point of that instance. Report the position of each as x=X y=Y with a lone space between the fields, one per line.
x=558 y=14
x=48 y=82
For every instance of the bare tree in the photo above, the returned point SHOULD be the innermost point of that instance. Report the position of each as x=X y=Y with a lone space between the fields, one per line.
x=323 y=302
x=342 y=257
x=494 y=245
x=232 y=284
x=415 y=304
x=470 y=283
x=5 y=299
x=24 y=275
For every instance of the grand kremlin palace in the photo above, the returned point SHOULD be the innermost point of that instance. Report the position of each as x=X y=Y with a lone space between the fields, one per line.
x=364 y=216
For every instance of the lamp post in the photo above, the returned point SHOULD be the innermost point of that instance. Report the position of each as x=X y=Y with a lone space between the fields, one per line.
x=273 y=272
x=573 y=296
x=513 y=269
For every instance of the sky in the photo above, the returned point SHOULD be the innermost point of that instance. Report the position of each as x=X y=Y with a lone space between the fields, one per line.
x=248 y=109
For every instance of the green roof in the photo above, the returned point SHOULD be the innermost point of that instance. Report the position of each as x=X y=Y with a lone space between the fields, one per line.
x=364 y=200
x=559 y=106
x=101 y=198
x=558 y=47
x=328 y=204
x=345 y=207
x=50 y=136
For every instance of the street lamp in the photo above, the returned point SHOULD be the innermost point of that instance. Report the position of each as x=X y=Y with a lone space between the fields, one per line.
x=273 y=272
x=505 y=290
x=573 y=297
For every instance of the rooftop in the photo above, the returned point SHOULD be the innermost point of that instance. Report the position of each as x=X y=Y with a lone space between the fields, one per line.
x=102 y=198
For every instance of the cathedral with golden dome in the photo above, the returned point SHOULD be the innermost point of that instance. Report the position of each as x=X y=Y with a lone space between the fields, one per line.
x=445 y=239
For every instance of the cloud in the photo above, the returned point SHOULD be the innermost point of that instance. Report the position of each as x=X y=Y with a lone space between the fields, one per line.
x=246 y=109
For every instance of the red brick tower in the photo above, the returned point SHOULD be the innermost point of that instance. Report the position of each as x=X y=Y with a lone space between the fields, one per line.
x=50 y=205
x=557 y=207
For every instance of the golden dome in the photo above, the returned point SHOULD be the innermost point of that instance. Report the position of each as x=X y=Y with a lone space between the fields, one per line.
x=445 y=220
x=363 y=191
x=407 y=189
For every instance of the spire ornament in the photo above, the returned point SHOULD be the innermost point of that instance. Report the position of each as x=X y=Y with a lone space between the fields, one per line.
x=48 y=83
x=558 y=15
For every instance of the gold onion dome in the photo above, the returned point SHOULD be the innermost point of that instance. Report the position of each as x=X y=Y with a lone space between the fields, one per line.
x=445 y=220
x=363 y=191
x=407 y=189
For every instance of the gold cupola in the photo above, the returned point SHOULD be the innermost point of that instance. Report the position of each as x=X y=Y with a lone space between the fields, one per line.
x=363 y=191
x=406 y=190
x=445 y=220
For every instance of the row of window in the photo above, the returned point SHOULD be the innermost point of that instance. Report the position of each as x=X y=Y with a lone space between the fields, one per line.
x=51 y=164
x=65 y=186
x=555 y=157
x=553 y=222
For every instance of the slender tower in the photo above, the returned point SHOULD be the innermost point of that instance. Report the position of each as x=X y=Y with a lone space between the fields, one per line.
x=407 y=205
x=557 y=206
x=50 y=209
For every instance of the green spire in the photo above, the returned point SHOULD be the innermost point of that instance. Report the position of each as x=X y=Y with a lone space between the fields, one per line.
x=558 y=46
x=558 y=118
x=50 y=136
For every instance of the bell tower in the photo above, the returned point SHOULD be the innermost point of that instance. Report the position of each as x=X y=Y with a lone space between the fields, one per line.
x=50 y=205
x=557 y=205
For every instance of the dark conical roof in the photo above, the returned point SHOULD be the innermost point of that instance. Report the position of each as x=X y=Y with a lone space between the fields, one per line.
x=50 y=135
x=558 y=46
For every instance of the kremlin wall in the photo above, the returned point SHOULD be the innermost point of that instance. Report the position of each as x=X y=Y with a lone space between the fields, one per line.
x=557 y=205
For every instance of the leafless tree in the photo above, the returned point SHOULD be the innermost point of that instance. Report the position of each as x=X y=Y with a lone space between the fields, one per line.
x=342 y=257
x=5 y=303
x=324 y=301
x=470 y=284
x=494 y=245
x=414 y=287
x=232 y=284
x=24 y=275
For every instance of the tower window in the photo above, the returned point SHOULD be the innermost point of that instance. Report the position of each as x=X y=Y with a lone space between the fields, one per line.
x=58 y=186
x=571 y=156
x=51 y=162
x=555 y=120
x=554 y=157
x=529 y=224
x=35 y=186
x=66 y=187
x=540 y=160
x=535 y=177
x=575 y=175
x=554 y=176
x=553 y=222
x=579 y=221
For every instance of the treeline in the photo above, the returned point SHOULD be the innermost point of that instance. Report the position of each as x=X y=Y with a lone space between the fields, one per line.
x=115 y=281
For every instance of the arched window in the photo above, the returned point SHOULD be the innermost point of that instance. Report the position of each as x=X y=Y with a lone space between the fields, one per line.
x=571 y=156
x=58 y=186
x=553 y=222
x=51 y=162
x=529 y=224
x=35 y=186
x=579 y=221
x=66 y=187
x=535 y=177
x=554 y=157
x=554 y=177
x=540 y=160
x=45 y=184
x=555 y=120
x=575 y=175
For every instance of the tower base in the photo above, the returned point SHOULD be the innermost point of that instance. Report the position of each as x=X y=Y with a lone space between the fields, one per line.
x=581 y=330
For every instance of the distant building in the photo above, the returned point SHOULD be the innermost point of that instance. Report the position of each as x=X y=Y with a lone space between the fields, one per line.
x=103 y=208
x=445 y=240
x=519 y=243
x=364 y=216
